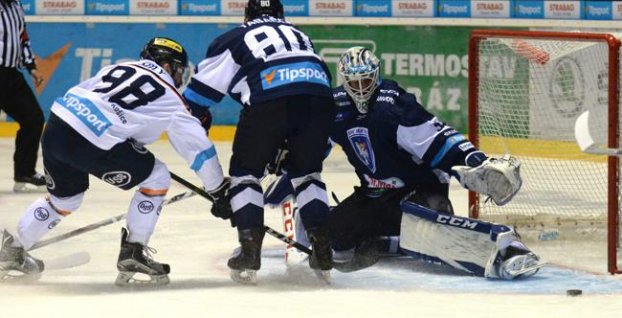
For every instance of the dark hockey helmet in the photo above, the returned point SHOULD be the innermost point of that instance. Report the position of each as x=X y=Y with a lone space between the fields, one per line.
x=164 y=50
x=257 y=8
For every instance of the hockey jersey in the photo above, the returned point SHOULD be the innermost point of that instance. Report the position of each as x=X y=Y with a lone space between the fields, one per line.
x=138 y=100
x=258 y=61
x=398 y=142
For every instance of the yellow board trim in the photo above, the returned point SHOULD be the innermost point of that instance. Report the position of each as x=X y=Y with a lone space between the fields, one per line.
x=549 y=149
x=216 y=133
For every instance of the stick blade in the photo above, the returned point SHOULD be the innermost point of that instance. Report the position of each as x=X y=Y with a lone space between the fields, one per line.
x=582 y=132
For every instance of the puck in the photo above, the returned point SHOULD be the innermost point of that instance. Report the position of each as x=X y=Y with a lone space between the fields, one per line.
x=574 y=292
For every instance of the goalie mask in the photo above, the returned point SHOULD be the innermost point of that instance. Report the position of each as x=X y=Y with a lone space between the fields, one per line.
x=257 y=8
x=359 y=71
x=164 y=50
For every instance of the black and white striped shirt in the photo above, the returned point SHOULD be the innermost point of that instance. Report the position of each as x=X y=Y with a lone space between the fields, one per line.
x=14 y=42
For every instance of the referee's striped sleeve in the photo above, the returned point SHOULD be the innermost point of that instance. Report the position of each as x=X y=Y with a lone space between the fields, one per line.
x=15 y=48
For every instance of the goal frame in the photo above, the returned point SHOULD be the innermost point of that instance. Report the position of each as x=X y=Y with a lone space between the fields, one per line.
x=613 y=138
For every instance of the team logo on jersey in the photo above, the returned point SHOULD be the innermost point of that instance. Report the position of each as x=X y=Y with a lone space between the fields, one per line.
x=117 y=178
x=41 y=214
x=359 y=139
x=145 y=207
x=302 y=72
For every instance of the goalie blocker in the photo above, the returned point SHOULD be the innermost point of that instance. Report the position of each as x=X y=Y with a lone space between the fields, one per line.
x=475 y=246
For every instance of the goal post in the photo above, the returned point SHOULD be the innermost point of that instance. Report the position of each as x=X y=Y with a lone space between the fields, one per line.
x=526 y=89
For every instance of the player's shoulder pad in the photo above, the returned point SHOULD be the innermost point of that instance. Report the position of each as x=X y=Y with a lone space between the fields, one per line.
x=155 y=69
x=405 y=106
x=226 y=41
x=344 y=104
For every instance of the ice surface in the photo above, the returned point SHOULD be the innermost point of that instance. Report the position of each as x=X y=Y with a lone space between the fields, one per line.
x=197 y=246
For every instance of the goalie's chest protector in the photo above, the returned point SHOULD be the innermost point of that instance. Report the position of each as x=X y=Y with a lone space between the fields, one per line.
x=370 y=143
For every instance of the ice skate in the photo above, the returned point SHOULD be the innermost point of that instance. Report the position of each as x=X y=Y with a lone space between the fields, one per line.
x=34 y=183
x=321 y=260
x=519 y=263
x=365 y=255
x=135 y=258
x=16 y=263
x=246 y=263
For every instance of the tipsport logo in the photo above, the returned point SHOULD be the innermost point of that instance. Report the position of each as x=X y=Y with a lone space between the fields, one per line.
x=303 y=72
x=86 y=112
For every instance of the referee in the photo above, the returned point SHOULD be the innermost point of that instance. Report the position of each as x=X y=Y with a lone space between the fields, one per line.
x=17 y=98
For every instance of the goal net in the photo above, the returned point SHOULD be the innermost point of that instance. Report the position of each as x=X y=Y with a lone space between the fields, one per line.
x=526 y=89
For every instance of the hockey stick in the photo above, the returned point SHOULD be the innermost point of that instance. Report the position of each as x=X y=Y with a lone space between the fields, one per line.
x=280 y=236
x=585 y=140
x=101 y=223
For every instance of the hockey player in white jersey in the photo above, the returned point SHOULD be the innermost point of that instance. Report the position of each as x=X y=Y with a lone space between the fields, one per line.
x=270 y=67
x=404 y=157
x=99 y=127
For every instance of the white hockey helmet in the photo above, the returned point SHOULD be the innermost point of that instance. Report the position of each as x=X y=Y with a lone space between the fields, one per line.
x=359 y=71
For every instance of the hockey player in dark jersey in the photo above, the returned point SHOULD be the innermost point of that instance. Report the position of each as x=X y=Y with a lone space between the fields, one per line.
x=271 y=68
x=404 y=157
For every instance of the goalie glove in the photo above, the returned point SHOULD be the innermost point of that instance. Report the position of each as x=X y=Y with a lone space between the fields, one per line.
x=498 y=178
x=221 y=205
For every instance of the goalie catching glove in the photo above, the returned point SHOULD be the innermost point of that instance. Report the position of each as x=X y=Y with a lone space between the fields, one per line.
x=221 y=207
x=499 y=178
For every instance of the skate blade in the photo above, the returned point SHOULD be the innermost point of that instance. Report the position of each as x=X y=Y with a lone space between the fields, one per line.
x=526 y=271
x=323 y=276
x=125 y=279
x=21 y=187
x=17 y=277
x=246 y=276
x=295 y=258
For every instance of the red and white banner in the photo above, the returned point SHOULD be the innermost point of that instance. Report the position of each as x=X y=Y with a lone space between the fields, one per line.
x=490 y=9
x=413 y=8
x=234 y=8
x=153 y=7
x=60 y=7
x=331 y=8
x=616 y=11
x=570 y=9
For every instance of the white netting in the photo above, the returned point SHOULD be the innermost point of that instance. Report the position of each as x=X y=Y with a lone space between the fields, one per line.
x=530 y=93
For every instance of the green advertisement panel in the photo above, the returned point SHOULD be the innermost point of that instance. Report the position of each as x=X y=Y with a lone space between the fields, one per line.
x=431 y=62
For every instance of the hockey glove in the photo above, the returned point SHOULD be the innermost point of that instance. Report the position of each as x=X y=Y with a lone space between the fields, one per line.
x=203 y=114
x=499 y=178
x=221 y=205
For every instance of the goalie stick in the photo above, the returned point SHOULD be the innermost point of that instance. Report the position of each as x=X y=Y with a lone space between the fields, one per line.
x=585 y=140
x=101 y=223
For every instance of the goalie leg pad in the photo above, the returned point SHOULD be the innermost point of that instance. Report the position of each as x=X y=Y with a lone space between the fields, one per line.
x=474 y=246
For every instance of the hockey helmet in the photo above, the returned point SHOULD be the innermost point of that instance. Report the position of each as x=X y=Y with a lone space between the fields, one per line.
x=359 y=71
x=164 y=50
x=257 y=8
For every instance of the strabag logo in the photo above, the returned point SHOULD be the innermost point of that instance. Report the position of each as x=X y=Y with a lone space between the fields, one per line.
x=86 y=112
x=303 y=72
